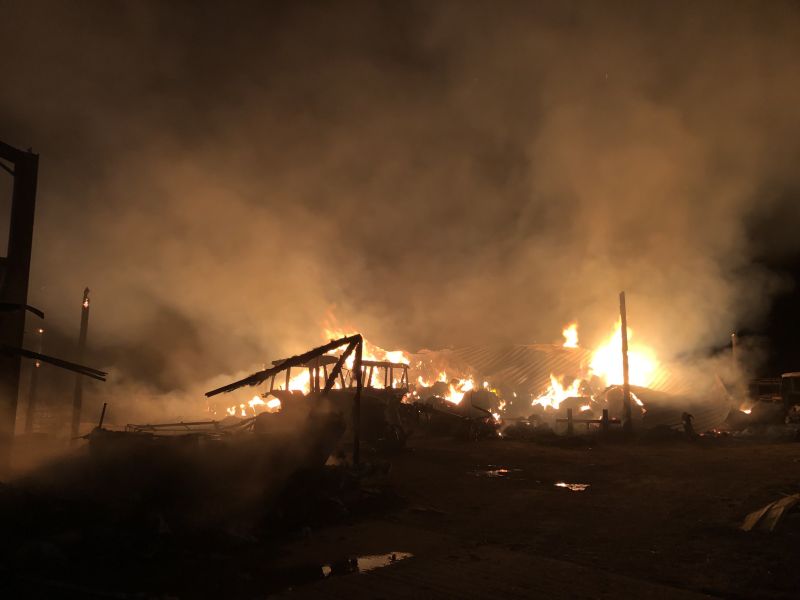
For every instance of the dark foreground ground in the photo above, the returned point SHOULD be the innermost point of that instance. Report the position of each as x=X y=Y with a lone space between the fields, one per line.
x=657 y=521
x=484 y=520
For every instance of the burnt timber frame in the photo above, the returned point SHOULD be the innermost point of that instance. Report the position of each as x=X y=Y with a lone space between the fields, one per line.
x=354 y=343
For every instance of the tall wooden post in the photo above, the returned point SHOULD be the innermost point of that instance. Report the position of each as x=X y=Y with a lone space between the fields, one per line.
x=31 y=412
x=15 y=271
x=77 y=399
x=357 y=406
x=734 y=351
x=627 y=425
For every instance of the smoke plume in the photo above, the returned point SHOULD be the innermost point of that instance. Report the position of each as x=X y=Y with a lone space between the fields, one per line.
x=226 y=178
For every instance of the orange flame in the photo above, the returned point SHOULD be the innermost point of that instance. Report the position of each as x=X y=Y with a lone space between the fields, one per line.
x=570 y=333
x=606 y=361
x=458 y=389
x=557 y=393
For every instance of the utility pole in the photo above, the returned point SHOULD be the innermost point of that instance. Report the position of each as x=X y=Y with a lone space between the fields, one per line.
x=77 y=399
x=34 y=384
x=15 y=270
x=627 y=425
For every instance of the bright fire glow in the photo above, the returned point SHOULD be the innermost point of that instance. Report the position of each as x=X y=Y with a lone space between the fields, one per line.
x=254 y=406
x=557 y=393
x=301 y=381
x=606 y=361
x=442 y=377
x=457 y=389
x=369 y=351
x=570 y=333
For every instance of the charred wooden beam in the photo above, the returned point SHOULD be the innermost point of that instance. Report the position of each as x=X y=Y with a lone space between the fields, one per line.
x=10 y=307
x=62 y=364
x=357 y=405
x=294 y=361
x=337 y=369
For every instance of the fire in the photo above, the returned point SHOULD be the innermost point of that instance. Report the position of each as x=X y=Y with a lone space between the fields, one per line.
x=606 y=361
x=457 y=389
x=301 y=381
x=254 y=406
x=442 y=377
x=570 y=333
x=557 y=393
x=369 y=351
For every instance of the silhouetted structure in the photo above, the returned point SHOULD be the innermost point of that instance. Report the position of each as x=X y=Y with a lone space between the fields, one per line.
x=14 y=272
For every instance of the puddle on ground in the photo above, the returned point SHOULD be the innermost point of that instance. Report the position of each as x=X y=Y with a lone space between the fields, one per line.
x=285 y=579
x=495 y=472
x=363 y=564
x=573 y=487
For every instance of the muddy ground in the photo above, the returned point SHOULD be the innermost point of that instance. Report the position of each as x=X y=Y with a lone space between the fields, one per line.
x=478 y=519
x=486 y=519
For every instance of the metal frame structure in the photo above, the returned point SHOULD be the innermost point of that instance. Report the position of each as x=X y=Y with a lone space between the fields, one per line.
x=15 y=267
x=24 y=168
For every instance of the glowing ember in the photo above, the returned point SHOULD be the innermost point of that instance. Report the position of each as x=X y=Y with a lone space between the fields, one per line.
x=746 y=411
x=586 y=407
x=573 y=487
x=570 y=333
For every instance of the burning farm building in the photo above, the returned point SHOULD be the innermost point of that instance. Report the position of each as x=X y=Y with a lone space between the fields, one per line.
x=468 y=186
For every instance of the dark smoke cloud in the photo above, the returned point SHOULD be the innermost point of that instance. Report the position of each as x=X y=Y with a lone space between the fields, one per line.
x=224 y=177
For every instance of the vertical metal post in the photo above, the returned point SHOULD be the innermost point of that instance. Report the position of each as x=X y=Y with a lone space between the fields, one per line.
x=570 y=426
x=357 y=407
x=734 y=351
x=15 y=271
x=604 y=421
x=627 y=425
x=77 y=399
x=31 y=412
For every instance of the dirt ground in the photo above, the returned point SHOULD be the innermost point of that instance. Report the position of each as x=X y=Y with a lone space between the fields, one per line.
x=465 y=519
x=486 y=519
